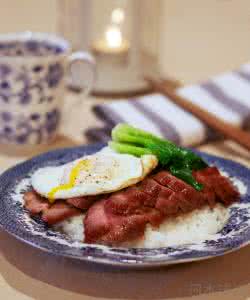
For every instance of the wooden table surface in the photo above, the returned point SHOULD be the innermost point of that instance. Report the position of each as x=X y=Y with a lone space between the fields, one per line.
x=27 y=273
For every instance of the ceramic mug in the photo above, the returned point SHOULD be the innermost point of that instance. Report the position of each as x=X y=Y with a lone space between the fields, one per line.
x=33 y=69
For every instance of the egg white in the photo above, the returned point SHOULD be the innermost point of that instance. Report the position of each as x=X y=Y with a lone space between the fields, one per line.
x=107 y=172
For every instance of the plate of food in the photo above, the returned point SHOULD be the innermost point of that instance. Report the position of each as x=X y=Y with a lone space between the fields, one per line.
x=139 y=201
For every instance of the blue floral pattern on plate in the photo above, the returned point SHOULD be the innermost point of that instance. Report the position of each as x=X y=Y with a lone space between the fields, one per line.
x=15 y=220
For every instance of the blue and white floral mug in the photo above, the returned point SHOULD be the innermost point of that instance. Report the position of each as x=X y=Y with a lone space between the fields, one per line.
x=33 y=69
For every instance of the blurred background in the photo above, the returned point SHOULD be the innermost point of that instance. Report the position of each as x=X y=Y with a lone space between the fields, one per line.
x=189 y=42
x=197 y=38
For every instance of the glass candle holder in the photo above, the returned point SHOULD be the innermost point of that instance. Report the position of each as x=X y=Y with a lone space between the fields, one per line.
x=121 y=37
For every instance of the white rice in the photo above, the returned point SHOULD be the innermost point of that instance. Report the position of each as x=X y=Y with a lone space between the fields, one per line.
x=72 y=227
x=195 y=226
x=198 y=225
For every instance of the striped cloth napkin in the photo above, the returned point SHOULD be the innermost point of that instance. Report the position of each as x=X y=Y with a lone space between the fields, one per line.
x=227 y=96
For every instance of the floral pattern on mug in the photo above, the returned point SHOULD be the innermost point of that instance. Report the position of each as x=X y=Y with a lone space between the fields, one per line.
x=19 y=85
x=32 y=129
x=29 y=112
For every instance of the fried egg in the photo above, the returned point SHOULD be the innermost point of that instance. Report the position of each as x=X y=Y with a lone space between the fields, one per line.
x=101 y=173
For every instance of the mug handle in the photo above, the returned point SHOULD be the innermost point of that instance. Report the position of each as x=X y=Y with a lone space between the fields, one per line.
x=89 y=61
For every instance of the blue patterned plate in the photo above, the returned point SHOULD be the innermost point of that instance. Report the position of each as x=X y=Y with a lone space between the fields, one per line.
x=15 y=220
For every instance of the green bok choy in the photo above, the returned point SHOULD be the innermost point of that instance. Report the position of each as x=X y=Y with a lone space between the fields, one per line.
x=179 y=161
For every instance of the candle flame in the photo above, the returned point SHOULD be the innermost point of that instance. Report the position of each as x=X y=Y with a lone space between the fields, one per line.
x=113 y=36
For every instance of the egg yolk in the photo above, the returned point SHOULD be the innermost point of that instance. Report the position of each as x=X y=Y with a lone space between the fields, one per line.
x=82 y=165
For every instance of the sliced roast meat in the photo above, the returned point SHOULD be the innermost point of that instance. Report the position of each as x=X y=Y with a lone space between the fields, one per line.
x=131 y=200
x=51 y=213
x=168 y=180
x=124 y=215
x=98 y=222
x=59 y=212
x=82 y=202
x=107 y=227
x=217 y=184
x=34 y=203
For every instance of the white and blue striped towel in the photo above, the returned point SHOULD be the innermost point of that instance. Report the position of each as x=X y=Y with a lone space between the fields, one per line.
x=227 y=96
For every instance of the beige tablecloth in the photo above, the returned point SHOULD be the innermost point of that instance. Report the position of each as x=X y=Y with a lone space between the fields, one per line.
x=27 y=273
